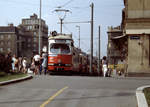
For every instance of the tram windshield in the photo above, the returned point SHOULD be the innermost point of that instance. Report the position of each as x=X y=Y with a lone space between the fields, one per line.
x=59 y=48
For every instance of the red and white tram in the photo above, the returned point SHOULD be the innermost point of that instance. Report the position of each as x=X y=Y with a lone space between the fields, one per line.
x=62 y=55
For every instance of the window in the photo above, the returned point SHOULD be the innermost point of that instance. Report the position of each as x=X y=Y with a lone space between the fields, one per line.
x=29 y=40
x=29 y=27
x=8 y=49
x=1 y=49
x=29 y=45
x=2 y=43
x=36 y=22
x=26 y=22
x=34 y=45
x=34 y=33
x=59 y=48
x=9 y=43
x=1 y=36
x=9 y=36
x=34 y=39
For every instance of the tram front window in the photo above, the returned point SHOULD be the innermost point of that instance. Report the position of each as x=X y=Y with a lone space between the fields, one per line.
x=60 y=48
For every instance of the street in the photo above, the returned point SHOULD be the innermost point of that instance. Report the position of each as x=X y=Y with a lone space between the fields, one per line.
x=72 y=91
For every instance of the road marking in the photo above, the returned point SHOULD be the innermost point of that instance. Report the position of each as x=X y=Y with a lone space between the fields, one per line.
x=52 y=97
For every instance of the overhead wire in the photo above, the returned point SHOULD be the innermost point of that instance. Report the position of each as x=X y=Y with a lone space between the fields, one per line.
x=26 y=3
x=66 y=3
x=66 y=28
x=76 y=38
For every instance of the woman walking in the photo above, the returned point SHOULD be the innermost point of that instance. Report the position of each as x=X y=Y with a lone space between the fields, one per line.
x=24 y=64
x=104 y=66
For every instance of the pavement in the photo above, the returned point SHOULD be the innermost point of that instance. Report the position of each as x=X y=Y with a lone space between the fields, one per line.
x=16 y=80
x=141 y=100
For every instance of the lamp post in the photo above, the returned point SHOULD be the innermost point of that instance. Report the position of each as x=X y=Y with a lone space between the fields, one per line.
x=61 y=17
x=79 y=34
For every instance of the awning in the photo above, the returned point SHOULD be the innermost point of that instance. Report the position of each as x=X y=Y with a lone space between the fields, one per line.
x=118 y=37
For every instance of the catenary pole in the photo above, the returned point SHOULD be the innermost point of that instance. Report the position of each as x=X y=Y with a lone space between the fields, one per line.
x=91 y=56
x=40 y=27
x=99 y=50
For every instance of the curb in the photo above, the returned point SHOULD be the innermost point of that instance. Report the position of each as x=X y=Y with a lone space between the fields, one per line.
x=141 y=100
x=16 y=80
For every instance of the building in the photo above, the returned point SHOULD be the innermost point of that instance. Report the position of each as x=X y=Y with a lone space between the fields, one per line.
x=117 y=43
x=31 y=26
x=23 y=40
x=136 y=25
x=9 y=39
x=117 y=49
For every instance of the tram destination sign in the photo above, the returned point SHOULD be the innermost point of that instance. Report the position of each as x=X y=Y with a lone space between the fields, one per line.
x=134 y=37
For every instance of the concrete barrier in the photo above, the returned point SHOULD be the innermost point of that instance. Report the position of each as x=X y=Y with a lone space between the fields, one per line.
x=141 y=100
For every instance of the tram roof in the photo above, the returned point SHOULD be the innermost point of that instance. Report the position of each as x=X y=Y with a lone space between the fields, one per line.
x=61 y=36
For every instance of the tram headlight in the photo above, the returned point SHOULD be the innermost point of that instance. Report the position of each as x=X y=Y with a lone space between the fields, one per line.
x=59 y=60
x=51 y=64
x=68 y=65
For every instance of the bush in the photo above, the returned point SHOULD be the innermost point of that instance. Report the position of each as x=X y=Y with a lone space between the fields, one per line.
x=2 y=73
x=147 y=95
x=5 y=63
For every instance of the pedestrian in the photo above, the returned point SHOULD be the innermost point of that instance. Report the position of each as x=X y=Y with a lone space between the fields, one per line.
x=20 y=67
x=36 y=60
x=104 y=66
x=24 y=64
x=41 y=61
x=32 y=67
x=44 y=63
x=16 y=65
x=13 y=62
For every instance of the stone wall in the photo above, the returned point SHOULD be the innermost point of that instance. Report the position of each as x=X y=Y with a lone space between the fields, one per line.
x=138 y=54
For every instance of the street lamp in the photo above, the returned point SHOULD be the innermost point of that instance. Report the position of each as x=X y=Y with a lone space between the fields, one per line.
x=79 y=34
x=61 y=16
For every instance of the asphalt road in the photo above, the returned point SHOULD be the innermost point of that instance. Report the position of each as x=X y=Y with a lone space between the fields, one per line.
x=72 y=91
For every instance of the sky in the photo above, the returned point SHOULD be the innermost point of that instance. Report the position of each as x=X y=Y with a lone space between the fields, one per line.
x=106 y=13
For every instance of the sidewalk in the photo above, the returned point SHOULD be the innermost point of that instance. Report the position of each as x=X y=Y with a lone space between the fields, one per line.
x=16 y=80
x=141 y=100
x=140 y=96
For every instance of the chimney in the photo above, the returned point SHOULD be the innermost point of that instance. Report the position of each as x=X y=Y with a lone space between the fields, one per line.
x=11 y=24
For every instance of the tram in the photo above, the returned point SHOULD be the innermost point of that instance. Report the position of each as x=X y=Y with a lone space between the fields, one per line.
x=62 y=55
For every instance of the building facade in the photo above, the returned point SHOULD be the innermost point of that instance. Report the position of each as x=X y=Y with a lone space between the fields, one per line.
x=31 y=26
x=136 y=23
x=9 y=39
x=117 y=49
x=23 y=40
x=117 y=43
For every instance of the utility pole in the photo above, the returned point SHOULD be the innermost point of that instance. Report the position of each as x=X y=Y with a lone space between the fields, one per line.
x=99 y=50
x=79 y=34
x=40 y=28
x=91 y=56
x=61 y=23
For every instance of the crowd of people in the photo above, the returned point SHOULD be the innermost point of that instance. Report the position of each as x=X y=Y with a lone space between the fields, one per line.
x=38 y=64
